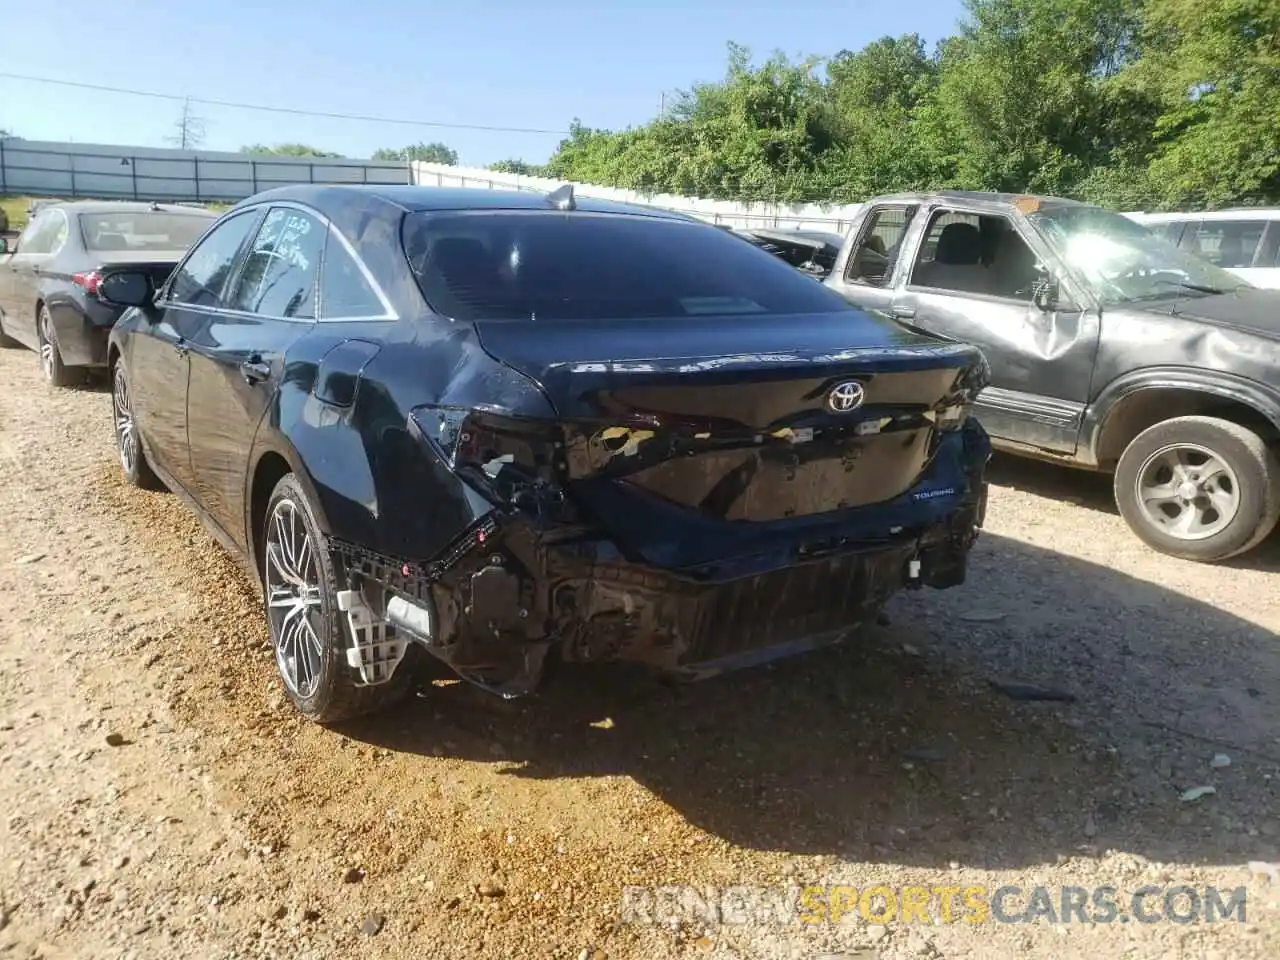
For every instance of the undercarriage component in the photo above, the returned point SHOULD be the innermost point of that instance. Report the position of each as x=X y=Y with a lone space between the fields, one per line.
x=520 y=683
x=375 y=649
x=415 y=619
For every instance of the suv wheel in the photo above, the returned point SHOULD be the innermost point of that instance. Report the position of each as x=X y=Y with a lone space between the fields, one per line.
x=1199 y=488
x=308 y=632
x=55 y=371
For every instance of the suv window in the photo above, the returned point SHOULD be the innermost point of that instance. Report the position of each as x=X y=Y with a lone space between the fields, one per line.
x=982 y=255
x=876 y=252
x=538 y=265
x=1225 y=243
x=279 y=274
x=203 y=275
x=344 y=291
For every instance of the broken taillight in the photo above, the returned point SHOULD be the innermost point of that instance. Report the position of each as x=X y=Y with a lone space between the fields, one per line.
x=514 y=462
x=88 y=281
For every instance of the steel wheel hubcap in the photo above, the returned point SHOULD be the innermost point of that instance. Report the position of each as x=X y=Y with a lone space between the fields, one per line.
x=126 y=436
x=293 y=600
x=1188 y=491
x=46 y=346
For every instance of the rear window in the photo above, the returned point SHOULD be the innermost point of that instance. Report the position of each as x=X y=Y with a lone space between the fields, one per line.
x=586 y=266
x=119 y=232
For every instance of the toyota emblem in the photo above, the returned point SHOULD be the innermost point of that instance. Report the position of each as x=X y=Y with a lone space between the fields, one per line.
x=846 y=396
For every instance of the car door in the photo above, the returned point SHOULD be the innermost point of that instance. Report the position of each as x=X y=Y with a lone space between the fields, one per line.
x=36 y=247
x=973 y=279
x=868 y=275
x=237 y=356
x=159 y=365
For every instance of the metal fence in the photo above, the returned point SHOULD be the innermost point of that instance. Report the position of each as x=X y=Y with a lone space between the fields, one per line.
x=786 y=216
x=50 y=169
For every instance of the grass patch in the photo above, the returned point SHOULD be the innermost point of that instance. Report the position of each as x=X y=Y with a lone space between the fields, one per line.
x=16 y=208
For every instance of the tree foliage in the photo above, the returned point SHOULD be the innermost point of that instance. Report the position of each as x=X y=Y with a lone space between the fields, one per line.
x=1134 y=103
x=426 y=152
x=289 y=150
x=519 y=167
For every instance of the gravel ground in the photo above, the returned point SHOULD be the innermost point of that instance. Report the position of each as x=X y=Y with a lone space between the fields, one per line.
x=160 y=799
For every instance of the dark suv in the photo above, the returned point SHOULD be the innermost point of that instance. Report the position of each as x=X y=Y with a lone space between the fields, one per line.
x=1109 y=349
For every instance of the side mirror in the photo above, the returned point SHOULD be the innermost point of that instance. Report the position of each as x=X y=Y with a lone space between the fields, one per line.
x=126 y=289
x=1045 y=292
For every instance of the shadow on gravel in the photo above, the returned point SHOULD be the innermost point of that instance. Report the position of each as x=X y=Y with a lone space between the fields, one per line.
x=1082 y=487
x=1093 y=491
x=896 y=748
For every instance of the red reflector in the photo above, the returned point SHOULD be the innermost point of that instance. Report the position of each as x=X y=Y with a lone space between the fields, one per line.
x=89 y=281
x=405 y=569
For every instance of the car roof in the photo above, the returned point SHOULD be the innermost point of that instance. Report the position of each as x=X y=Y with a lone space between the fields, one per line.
x=419 y=199
x=985 y=199
x=124 y=206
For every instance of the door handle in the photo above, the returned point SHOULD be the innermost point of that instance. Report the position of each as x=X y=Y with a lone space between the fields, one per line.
x=254 y=370
x=902 y=311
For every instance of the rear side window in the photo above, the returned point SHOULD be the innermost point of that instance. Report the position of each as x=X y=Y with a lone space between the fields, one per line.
x=47 y=233
x=876 y=252
x=141 y=230
x=587 y=266
x=279 y=274
x=345 y=292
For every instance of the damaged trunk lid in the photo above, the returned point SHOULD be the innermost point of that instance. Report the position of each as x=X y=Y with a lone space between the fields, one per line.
x=810 y=414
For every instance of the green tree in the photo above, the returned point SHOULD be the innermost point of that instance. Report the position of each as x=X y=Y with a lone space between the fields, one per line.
x=1131 y=103
x=289 y=150
x=519 y=167
x=876 y=93
x=426 y=152
x=1214 y=70
x=1021 y=101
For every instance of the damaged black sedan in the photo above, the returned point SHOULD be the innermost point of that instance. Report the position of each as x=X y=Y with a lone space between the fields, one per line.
x=507 y=427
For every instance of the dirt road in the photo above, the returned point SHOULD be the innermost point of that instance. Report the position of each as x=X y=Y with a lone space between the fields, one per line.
x=160 y=800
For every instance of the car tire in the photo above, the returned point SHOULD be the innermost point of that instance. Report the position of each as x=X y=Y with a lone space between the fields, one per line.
x=309 y=635
x=56 y=372
x=133 y=459
x=1199 y=488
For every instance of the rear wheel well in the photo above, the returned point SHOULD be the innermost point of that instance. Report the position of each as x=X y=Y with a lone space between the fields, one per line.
x=1138 y=411
x=266 y=475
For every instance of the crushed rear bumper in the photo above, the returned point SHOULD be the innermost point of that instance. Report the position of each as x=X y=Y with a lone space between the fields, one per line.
x=509 y=592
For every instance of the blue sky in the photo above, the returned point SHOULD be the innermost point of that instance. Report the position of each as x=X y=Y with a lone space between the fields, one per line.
x=485 y=62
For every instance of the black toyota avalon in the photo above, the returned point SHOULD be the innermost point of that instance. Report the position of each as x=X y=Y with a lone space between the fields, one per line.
x=504 y=427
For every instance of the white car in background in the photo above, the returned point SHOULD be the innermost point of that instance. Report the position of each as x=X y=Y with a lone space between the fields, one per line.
x=1245 y=241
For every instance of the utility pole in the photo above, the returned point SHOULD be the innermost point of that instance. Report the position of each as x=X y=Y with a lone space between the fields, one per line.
x=188 y=129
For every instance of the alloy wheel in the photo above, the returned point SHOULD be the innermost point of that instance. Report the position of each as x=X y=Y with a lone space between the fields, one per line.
x=126 y=432
x=293 y=599
x=47 y=348
x=1187 y=491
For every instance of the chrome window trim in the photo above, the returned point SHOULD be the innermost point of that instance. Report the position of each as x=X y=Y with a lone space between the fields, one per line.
x=331 y=230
